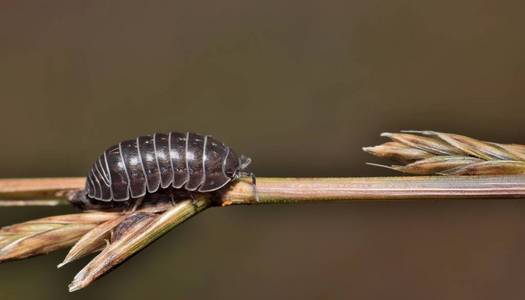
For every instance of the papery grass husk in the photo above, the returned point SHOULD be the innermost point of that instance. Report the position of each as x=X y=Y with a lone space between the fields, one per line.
x=98 y=237
x=45 y=235
x=118 y=235
x=437 y=153
x=93 y=241
x=141 y=230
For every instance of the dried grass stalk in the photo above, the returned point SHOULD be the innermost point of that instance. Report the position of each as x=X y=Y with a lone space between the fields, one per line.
x=437 y=153
x=38 y=191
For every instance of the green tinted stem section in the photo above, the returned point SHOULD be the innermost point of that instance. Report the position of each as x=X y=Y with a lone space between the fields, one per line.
x=299 y=190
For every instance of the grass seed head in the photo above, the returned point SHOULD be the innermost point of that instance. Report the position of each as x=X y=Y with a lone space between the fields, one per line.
x=437 y=153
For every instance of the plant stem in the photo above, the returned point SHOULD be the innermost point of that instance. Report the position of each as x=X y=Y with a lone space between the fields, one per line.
x=299 y=190
x=38 y=191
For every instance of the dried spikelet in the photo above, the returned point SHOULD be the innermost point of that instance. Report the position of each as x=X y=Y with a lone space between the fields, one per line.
x=134 y=233
x=399 y=152
x=92 y=241
x=96 y=238
x=117 y=234
x=47 y=234
x=430 y=152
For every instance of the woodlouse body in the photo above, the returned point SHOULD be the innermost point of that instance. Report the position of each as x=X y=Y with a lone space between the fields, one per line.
x=187 y=162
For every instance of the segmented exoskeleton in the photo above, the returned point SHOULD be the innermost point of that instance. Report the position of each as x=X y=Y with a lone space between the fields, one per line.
x=188 y=162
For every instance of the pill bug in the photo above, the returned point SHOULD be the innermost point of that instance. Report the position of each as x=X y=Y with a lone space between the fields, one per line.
x=181 y=163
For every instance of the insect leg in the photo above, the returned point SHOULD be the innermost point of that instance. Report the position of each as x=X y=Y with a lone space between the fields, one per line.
x=136 y=205
x=172 y=200
x=193 y=199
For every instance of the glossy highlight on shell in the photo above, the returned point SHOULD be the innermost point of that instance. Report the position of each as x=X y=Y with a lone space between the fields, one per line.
x=188 y=162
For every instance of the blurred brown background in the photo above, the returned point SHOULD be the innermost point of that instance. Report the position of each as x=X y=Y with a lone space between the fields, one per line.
x=298 y=85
